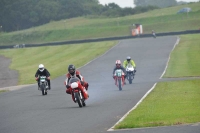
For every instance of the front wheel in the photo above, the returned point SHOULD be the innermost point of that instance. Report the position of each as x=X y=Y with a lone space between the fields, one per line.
x=120 y=84
x=130 y=78
x=42 y=86
x=78 y=99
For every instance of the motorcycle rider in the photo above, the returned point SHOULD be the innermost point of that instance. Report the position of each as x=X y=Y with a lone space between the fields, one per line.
x=153 y=33
x=129 y=61
x=73 y=72
x=119 y=66
x=42 y=72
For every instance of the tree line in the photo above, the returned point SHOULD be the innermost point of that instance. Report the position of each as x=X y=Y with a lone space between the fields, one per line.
x=158 y=3
x=22 y=14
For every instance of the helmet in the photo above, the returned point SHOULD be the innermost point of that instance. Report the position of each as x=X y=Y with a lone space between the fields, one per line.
x=128 y=58
x=118 y=63
x=41 y=67
x=71 y=69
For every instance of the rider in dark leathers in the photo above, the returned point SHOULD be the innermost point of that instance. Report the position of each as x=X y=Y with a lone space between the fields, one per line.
x=42 y=72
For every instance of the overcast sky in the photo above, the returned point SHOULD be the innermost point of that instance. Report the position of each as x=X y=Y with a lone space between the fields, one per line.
x=129 y=3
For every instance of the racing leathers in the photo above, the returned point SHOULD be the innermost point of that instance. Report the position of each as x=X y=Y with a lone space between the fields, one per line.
x=120 y=67
x=125 y=63
x=83 y=83
x=39 y=73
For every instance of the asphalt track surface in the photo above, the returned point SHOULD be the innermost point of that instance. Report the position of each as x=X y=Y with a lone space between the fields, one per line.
x=27 y=111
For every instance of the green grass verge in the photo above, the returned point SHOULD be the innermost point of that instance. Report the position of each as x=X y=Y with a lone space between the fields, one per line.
x=55 y=58
x=1 y=91
x=170 y=103
x=185 y=58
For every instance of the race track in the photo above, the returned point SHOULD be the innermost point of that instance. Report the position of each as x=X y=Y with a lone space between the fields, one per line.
x=27 y=111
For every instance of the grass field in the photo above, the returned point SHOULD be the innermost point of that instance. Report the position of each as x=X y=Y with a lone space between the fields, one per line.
x=56 y=58
x=172 y=103
x=1 y=91
x=161 y=20
x=185 y=61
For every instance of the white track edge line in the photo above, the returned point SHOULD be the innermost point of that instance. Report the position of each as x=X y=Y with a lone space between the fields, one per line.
x=112 y=128
x=177 y=42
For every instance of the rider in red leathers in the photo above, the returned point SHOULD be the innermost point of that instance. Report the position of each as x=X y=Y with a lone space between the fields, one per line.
x=73 y=72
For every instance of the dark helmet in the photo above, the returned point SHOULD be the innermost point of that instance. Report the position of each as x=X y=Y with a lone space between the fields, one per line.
x=128 y=58
x=71 y=69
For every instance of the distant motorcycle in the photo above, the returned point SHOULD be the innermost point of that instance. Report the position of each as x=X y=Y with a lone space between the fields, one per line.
x=119 y=79
x=154 y=34
x=43 y=85
x=77 y=95
x=130 y=73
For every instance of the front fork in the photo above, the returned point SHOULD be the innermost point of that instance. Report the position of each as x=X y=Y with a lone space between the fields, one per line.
x=123 y=79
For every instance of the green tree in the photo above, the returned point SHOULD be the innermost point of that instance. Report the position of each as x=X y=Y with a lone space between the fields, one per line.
x=159 y=3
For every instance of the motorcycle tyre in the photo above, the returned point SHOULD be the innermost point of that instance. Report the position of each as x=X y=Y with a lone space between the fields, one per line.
x=130 y=79
x=42 y=86
x=78 y=99
x=120 y=84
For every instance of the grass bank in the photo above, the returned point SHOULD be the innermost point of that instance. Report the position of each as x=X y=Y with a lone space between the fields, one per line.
x=1 y=91
x=185 y=58
x=172 y=103
x=161 y=20
x=56 y=58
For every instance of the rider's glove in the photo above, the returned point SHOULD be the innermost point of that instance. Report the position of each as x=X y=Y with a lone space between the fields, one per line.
x=82 y=83
x=113 y=77
x=67 y=86
x=135 y=71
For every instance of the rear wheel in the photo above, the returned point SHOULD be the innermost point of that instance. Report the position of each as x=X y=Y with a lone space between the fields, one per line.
x=78 y=99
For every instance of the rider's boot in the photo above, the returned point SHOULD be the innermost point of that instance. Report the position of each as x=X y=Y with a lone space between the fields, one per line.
x=84 y=92
x=38 y=86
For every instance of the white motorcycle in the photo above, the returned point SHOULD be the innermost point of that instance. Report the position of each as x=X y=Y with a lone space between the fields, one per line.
x=154 y=35
x=43 y=85
x=130 y=73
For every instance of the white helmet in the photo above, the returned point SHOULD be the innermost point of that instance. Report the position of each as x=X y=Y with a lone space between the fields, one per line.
x=41 y=67
x=128 y=58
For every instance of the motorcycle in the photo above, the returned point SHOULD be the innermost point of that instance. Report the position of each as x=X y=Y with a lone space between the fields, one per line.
x=77 y=95
x=154 y=35
x=130 y=73
x=43 y=85
x=119 y=79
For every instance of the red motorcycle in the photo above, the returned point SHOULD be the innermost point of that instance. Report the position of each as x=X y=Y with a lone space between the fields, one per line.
x=77 y=95
x=119 y=78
